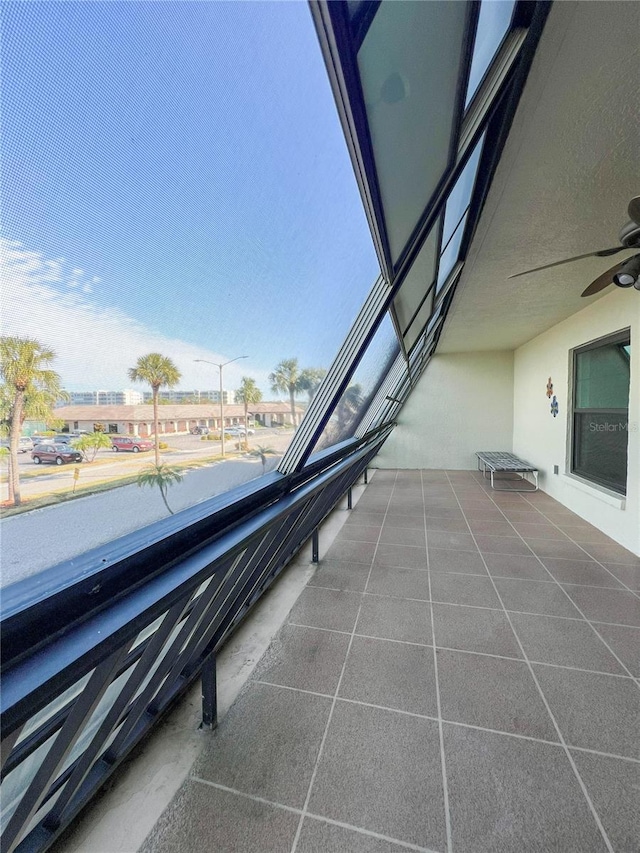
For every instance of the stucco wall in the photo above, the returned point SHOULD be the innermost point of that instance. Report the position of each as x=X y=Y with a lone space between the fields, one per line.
x=462 y=403
x=544 y=440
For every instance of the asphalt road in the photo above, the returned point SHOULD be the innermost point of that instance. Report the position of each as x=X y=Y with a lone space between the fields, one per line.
x=41 y=538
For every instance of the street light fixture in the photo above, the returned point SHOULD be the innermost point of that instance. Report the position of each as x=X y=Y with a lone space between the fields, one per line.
x=220 y=366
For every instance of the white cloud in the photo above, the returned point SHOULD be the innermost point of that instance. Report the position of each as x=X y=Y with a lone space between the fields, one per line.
x=95 y=346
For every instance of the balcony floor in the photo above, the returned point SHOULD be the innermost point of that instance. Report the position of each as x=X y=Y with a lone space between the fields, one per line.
x=461 y=673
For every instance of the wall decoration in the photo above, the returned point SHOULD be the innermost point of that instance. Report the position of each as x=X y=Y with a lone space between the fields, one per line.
x=554 y=406
x=549 y=387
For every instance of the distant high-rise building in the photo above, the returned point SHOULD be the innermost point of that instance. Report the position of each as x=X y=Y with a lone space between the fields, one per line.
x=104 y=398
x=174 y=396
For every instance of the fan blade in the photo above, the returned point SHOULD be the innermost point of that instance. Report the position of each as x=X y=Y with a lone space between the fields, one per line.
x=634 y=209
x=602 y=281
x=604 y=253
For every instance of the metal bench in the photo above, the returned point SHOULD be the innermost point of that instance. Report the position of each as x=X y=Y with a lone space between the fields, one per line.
x=495 y=461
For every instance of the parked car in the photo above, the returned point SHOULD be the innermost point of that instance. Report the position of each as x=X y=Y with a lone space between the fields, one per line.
x=238 y=431
x=132 y=443
x=200 y=430
x=24 y=443
x=58 y=453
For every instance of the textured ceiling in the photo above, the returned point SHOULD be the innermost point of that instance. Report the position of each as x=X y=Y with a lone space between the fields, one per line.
x=569 y=167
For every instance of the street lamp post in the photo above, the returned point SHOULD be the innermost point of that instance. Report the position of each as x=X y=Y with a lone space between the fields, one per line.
x=220 y=366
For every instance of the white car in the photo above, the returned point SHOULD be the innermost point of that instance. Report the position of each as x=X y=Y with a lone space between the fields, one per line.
x=238 y=431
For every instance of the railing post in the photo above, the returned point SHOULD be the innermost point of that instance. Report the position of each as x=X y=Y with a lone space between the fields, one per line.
x=349 y=500
x=315 y=546
x=209 y=694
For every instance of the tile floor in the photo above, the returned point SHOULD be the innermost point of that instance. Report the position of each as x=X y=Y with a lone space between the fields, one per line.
x=462 y=673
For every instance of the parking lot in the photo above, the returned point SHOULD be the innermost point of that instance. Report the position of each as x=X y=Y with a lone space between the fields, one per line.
x=43 y=479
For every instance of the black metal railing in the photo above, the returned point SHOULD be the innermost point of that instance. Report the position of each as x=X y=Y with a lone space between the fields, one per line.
x=90 y=665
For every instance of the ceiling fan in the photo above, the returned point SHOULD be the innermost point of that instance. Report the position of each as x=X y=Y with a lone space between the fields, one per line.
x=623 y=274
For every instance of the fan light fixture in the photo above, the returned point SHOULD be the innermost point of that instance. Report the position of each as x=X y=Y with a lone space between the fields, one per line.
x=629 y=273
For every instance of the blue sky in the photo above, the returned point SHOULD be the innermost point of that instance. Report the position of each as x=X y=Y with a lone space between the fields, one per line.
x=175 y=178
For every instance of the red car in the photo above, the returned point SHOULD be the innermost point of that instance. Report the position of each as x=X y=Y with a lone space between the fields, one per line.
x=133 y=443
x=58 y=453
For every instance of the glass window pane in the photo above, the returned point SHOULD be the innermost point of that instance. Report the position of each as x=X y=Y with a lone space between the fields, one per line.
x=372 y=370
x=493 y=23
x=419 y=279
x=602 y=377
x=165 y=206
x=600 y=448
x=454 y=217
x=409 y=66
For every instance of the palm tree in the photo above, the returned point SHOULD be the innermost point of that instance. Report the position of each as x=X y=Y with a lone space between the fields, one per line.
x=30 y=389
x=348 y=407
x=262 y=453
x=286 y=380
x=248 y=393
x=161 y=476
x=158 y=370
x=310 y=380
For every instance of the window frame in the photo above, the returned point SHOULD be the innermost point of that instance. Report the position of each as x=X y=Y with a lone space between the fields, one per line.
x=622 y=337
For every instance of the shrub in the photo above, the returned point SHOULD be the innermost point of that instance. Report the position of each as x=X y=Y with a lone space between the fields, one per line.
x=163 y=445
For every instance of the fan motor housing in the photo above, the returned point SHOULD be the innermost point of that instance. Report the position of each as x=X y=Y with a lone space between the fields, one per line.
x=630 y=236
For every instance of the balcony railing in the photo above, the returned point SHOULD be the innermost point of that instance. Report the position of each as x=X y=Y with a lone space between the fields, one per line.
x=96 y=650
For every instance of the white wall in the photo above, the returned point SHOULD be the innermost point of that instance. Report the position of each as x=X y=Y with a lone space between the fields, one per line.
x=543 y=440
x=462 y=403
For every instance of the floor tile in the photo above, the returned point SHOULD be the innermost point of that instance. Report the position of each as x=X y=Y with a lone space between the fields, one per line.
x=484 y=513
x=402 y=556
x=358 y=533
x=535 y=597
x=267 y=745
x=539 y=531
x=526 y=515
x=516 y=566
x=625 y=643
x=401 y=583
x=515 y=796
x=564 y=642
x=405 y=520
x=594 y=711
x=450 y=525
x=395 y=675
x=326 y=608
x=403 y=536
x=580 y=572
x=607 y=605
x=502 y=545
x=443 y=512
x=628 y=575
x=395 y=619
x=368 y=519
x=318 y=836
x=614 y=788
x=463 y=589
x=451 y=541
x=337 y=575
x=475 y=630
x=306 y=658
x=461 y=562
x=612 y=554
x=586 y=533
x=381 y=770
x=205 y=818
x=352 y=552
x=492 y=693
x=485 y=527
x=556 y=550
